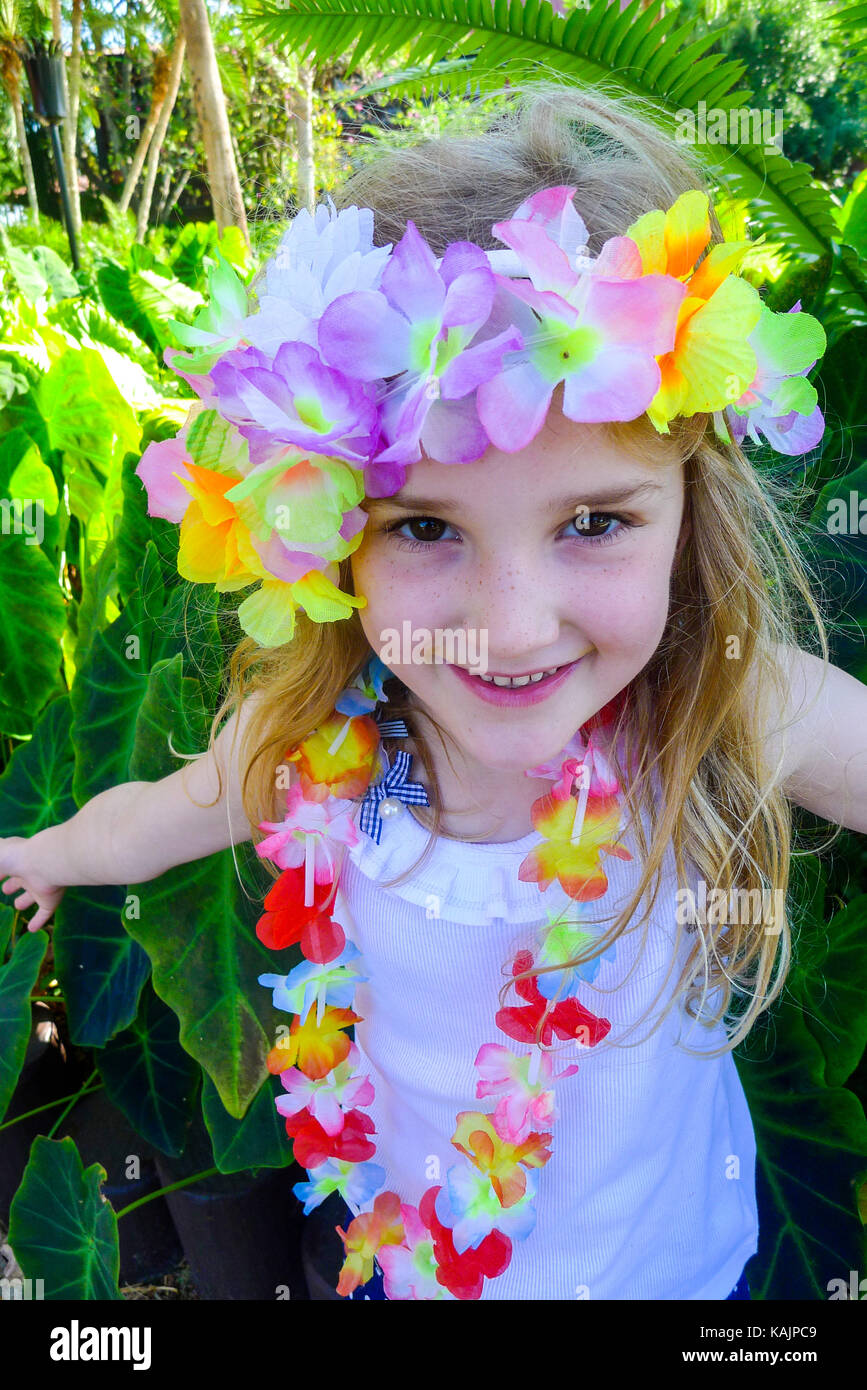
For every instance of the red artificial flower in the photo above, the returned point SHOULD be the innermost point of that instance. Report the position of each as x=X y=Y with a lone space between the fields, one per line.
x=312 y=1145
x=289 y=919
x=568 y=1018
x=463 y=1275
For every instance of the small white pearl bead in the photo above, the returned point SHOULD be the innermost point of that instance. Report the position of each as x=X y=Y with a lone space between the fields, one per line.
x=390 y=806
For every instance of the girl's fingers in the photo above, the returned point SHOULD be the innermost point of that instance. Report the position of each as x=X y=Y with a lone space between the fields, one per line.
x=25 y=900
x=11 y=884
x=38 y=919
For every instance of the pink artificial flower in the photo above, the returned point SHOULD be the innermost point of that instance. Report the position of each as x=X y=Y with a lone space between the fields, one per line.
x=409 y=1269
x=523 y=1107
x=329 y=1099
x=599 y=331
x=317 y=823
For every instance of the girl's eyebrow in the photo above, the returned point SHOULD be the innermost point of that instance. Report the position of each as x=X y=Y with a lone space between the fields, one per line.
x=628 y=492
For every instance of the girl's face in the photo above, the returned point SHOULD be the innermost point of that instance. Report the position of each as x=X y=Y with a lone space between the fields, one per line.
x=545 y=561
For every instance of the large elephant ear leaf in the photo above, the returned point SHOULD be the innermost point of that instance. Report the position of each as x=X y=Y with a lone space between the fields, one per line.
x=258 y=1140
x=111 y=682
x=150 y=1077
x=100 y=967
x=61 y=1228
x=17 y=978
x=197 y=924
x=811 y=1131
x=36 y=784
x=33 y=615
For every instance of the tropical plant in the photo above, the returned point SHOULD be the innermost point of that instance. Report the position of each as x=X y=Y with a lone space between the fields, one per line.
x=651 y=52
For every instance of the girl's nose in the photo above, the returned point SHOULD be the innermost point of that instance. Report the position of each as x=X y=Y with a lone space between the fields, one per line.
x=516 y=607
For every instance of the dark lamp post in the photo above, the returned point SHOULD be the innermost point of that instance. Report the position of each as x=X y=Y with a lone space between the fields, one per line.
x=45 y=74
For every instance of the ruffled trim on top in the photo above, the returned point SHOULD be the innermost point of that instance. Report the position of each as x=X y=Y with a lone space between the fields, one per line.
x=461 y=881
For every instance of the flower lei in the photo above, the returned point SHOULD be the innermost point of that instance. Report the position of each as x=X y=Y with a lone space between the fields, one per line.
x=357 y=356
x=463 y=1230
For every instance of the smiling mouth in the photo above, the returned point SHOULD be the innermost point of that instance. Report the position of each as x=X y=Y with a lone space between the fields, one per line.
x=518 y=682
x=515 y=682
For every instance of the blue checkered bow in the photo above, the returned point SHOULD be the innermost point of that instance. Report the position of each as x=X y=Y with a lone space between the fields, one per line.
x=393 y=783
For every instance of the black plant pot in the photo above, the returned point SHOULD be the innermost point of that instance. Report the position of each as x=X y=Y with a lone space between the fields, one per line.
x=241 y=1232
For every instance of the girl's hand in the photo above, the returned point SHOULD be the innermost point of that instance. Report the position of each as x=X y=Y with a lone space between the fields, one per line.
x=17 y=860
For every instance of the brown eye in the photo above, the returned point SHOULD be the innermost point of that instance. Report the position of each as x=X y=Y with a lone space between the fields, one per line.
x=426 y=528
x=430 y=530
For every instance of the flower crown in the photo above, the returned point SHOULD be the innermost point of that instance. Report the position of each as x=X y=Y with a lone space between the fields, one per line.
x=358 y=356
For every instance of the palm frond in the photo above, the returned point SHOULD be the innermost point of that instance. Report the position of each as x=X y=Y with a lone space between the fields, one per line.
x=646 y=52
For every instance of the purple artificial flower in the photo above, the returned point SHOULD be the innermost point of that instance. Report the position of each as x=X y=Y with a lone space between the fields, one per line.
x=296 y=399
x=419 y=328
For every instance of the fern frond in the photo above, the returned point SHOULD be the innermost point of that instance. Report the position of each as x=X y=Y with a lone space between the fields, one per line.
x=644 y=50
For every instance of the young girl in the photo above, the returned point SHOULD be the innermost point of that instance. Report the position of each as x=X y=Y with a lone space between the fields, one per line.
x=521 y=708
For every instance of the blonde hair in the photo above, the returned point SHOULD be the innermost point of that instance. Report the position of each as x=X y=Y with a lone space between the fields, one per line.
x=739 y=576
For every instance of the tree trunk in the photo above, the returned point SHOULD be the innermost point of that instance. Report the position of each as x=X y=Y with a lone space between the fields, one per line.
x=10 y=71
x=181 y=185
x=162 y=67
x=302 y=118
x=168 y=106
x=70 y=95
x=165 y=185
x=210 y=105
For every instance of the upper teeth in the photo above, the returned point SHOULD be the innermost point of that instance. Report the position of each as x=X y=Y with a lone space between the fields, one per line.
x=519 y=680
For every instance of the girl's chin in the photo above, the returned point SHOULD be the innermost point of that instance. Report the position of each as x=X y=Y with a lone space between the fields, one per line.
x=515 y=755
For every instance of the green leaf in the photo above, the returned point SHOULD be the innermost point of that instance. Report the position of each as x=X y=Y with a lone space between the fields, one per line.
x=811 y=1133
x=61 y=282
x=259 y=1140
x=25 y=477
x=61 y=1228
x=17 y=978
x=173 y=707
x=29 y=276
x=198 y=927
x=100 y=967
x=34 y=480
x=110 y=685
x=137 y=528
x=32 y=620
x=150 y=1077
x=100 y=586
x=839 y=546
x=143 y=299
x=86 y=416
x=36 y=785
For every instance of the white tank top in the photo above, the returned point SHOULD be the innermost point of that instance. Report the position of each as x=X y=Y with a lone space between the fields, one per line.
x=650 y=1189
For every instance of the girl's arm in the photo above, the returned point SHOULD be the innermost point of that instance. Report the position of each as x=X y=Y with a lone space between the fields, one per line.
x=824 y=749
x=135 y=831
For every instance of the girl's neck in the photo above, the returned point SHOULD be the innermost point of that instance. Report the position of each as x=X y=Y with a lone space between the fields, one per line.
x=494 y=808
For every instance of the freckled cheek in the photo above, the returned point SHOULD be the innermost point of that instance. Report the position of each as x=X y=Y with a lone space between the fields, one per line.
x=619 y=609
x=394 y=595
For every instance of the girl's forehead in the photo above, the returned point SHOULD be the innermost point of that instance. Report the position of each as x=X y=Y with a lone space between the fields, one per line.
x=577 y=455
